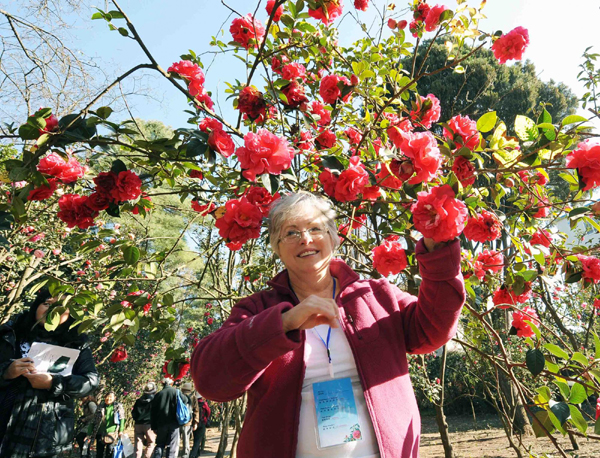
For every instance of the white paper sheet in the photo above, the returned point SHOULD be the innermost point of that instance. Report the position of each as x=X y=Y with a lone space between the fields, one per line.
x=53 y=359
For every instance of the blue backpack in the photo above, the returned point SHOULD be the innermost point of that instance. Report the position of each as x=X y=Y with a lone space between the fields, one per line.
x=183 y=411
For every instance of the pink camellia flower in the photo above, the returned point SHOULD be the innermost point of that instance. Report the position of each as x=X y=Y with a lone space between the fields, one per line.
x=328 y=180
x=391 y=175
x=294 y=70
x=51 y=125
x=491 y=261
x=503 y=298
x=438 y=215
x=463 y=131
x=43 y=192
x=56 y=251
x=240 y=222
x=294 y=93
x=203 y=209
x=427 y=112
x=464 y=171
x=422 y=149
x=221 y=142
x=392 y=24
x=541 y=237
x=247 y=31
x=432 y=20
x=329 y=89
x=511 y=45
x=37 y=237
x=39 y=254
x=67 y=172
x=326 y=139
x=596 y=303
x=188 y=70
x=361 y=4
x=351 y=181
x=200 y=95
x=591 y=267
x=597 y=409
x=259 y=196
x=389 y=258
x=317 y=108
x=519 y=321
x=586 y=159
x=252 y=103
x=483 y=227
x=278 y=12
x=327 y=10
x=356 y=434
x=209 y=124
x=264 y=152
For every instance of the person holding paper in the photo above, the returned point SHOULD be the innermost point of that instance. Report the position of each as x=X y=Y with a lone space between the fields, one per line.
x=37 y=408
x=322 y=353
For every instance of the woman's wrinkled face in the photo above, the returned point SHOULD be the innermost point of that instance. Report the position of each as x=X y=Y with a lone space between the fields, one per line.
x=109 y=399
x=42 y=311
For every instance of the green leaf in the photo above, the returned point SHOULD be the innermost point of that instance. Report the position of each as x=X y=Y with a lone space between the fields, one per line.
x=19 y=174
x=578 y=394
x=487 y=122
x=556 y=351
x=597 y=426
x=535 y=361
x=572 y=119
x=299 y=6
x=545 y=393
x=577 y=419
x=542 y=416
x=596 y=347
x=28 y=132
x=104 y=112
x=97 y=16
x=116 y=14
x=525 y=128
x=580 y=358
x=131 y=254
x=564 y=388
x=578 y=211
x=168 y=300
x=123 y=31
x=562 y=412
x=118 y=166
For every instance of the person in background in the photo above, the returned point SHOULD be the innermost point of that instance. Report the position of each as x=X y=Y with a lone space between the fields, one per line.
x=163 y=420
x=110 y=425
x=192 y=425
x=85 y=424
x=141 y=414
x=37 y=410
x=200 y=432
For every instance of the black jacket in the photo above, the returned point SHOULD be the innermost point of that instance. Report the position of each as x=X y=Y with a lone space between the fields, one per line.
x=142 y=410
x=164 y=408
x=38 y=423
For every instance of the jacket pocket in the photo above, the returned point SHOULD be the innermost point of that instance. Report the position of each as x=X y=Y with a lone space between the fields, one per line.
x=65 y=426
x=360 y=318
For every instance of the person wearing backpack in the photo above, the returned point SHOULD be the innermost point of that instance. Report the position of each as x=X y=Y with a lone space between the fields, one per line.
x=185 y=430
x=200 y=432
x=164 y=421
x=141 y=414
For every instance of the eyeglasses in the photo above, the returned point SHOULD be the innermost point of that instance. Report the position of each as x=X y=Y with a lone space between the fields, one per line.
x=294 y=236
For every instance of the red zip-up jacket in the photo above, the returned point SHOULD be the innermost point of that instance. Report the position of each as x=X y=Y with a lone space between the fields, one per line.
x=251 y=353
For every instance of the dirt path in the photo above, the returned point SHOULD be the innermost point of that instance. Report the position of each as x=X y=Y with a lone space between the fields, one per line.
x=485 y=439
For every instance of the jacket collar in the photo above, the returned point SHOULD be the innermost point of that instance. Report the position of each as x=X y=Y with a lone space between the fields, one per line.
x=338 y=268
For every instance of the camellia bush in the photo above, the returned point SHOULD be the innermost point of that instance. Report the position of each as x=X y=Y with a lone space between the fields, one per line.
x=348 y=123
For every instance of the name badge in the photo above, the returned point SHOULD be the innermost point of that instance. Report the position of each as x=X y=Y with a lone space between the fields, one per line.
x=337 y=417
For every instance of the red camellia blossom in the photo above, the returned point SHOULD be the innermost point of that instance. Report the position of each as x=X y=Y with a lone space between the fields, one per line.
x=519 y=321
x=278 y=12
x=294 y=92
x=511 y=45
x=329 y=89
x=483 y=227
x=541 y=237
x=128 y=186
x=200 y=95
x=463 y=131
x=67 y=172
x=247 y=31
x=354 y=136
x=264 y=152
x=203 y=209
x=188 y=70
x=252 y=103
x=51 y=125
x=327 y=10
x=392 y=24
x=99 y=201
x=351 y=181
x=105 y=182
x=427 y=112
x=294 y=70
x=502 y=297
x=586 y=159
x=597 y=409
x=196 y=174
x=317 y=108
x=326 y=139
x=328 y=180
x=221 y=142
x=422 y=149
x=591 y=267
x=43 y=192
x=262 y=198
x=433 y=17
x=389 y=258
x=208 y=124
x=75 y=212
x=240 y=222
x=361 y=4
x=391 y=175
x=438 y=215
x=464 y=171
x=305 y=142
x=120 y=354
x=491 y=260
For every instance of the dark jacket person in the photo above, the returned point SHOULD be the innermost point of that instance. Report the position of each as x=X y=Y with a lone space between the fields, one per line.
x=37 y=410
x=163 y=420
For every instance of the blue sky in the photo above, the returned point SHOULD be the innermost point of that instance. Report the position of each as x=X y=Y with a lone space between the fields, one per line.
x=559 y=33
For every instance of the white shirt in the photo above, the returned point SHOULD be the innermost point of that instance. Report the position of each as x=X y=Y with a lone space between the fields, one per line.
x=317 y=370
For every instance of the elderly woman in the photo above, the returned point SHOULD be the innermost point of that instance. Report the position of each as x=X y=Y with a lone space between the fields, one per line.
x=322 y=353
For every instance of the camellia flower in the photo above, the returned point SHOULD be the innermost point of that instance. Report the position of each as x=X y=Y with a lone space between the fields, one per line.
x=389 y=258
x=591 y=267
x=221 y=142
x=464 y=171
x=120 y=354
x=264 y=152
x=259 y=196
x=327 y=10
x=67 y=172
x=438 y=215
x=252 y=103
x=240 y=222
x=203 y=209
x=247 y=31
x=463 y=131
x=188 y=70
x=294 y=93
x=329 y=89
x=351 y=181
x=278 y=12
x=326 y=139
x=491 y=261
x=519 y=321
x=317 y=108
x=43 y=192
x=541 y=237
x=128 y=186
x=427 y=112
x=422 y=149
x=293 y=71
x=586 y=159
x=209 y=124
x=483 y=227
x=361 y=4
x=511 y=45
x=432 y=20
x=394 y=174
x=75 y=212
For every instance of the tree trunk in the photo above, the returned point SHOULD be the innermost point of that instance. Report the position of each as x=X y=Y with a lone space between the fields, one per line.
x=440 y=417
x=224 y=431
x=238 y=415
x=521 y=424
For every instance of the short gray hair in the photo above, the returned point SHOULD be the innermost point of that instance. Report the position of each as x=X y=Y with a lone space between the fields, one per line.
x=291 y=206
